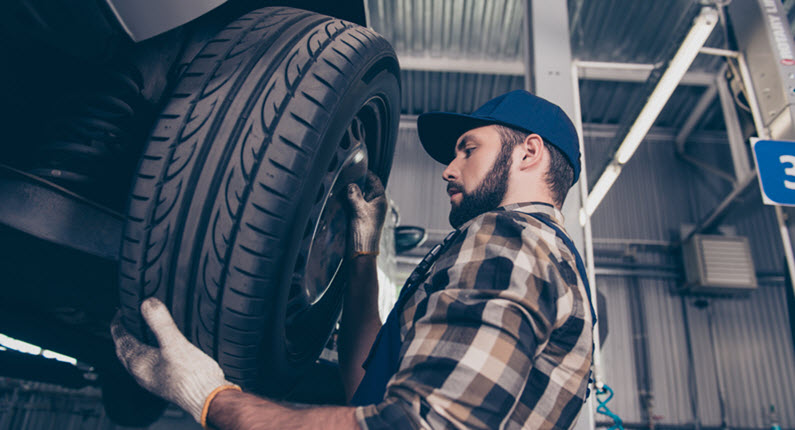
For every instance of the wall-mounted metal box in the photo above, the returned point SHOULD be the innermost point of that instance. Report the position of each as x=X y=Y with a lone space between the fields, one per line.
x=717 y=264
x=762 y=32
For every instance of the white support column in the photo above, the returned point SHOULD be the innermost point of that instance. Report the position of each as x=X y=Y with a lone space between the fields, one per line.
x=550 y=73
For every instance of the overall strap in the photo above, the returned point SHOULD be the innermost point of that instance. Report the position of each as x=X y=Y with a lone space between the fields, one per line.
x=383 y=360
x=580 y=268
x=578 y=259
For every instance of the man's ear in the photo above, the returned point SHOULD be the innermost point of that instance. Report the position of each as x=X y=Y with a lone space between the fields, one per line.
x=532 y=151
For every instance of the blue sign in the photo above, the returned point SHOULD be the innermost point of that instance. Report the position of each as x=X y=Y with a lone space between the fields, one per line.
x=775 y=165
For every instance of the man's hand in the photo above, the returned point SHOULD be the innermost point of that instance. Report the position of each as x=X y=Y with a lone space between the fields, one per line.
x=360 y=321
x=176 y=371
x=367 y=216
x=181 y=373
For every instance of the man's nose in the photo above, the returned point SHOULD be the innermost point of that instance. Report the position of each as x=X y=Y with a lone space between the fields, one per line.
x=450 y=173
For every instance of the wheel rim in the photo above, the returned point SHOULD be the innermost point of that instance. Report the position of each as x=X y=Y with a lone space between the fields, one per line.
x=316 y=287
x=327 y=245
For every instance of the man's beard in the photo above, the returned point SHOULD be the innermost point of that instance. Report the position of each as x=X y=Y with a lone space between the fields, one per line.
x=487 y=196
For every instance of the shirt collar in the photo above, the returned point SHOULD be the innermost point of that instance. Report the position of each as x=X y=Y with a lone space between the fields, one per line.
x=537 y=207
x=528 y=207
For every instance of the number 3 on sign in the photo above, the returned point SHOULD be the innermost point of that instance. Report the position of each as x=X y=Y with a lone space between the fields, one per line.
x=789 y=171
x=775 y=168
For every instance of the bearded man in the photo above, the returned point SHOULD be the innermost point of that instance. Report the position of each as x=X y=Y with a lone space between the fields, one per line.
x=492 y=330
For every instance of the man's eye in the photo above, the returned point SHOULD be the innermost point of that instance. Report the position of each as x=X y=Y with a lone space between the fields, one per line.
x=468 y=151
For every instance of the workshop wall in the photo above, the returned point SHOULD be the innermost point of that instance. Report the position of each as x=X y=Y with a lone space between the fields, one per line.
x=753 y=350
x=753 y=354
x=417 y=187
x=658 y=192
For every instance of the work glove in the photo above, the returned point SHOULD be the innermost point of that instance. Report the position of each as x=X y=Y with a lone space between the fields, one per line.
x=367 y=214
x=176 y=371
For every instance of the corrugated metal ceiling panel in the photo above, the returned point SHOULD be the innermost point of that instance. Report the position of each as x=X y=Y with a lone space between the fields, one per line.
x=606 y=103
x=493 y=30
x=469 y=28
x=457 y=92
x=630 y=31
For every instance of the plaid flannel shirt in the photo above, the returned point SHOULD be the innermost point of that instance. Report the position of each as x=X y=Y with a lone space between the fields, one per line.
x=498 y=336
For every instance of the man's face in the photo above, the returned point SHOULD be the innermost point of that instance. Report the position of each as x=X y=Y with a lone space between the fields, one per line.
x=477 y=178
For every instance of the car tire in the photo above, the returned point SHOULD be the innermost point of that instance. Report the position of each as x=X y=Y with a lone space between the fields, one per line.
x=235 y=218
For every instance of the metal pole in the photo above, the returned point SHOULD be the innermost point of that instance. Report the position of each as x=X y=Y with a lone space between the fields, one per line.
x=714 y=216
x=719 y=52
x=28 y=410
x=718 y=369
x=8 y=416
x=101 y=419
x=590 y=266
x=691 y=368
x=588 y=231
x=701 y=107
x=640 y=347
x=528 y=48
x=615 y=66
x=367 y=20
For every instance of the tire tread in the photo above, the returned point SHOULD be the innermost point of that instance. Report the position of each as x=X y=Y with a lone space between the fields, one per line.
x=228 y=281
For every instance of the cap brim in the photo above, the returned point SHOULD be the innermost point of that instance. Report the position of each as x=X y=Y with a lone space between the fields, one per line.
x=439 y=132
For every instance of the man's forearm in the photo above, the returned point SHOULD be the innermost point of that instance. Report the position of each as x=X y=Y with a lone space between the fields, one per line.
x=360 y=321
x=233 y=410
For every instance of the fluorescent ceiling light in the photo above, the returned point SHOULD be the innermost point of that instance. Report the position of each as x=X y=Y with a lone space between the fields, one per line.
x=694 y=41
x=602 y=185
x=60 y=357
x=7 y=342
x=19 y=345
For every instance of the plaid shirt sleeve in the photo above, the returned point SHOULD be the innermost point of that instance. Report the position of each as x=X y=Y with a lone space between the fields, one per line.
x=498 y=336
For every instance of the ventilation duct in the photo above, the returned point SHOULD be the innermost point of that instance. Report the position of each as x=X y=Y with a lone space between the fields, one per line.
x=717 y=264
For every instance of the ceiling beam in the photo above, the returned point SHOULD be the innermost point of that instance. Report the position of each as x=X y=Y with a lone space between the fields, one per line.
x=587 y=70
x=461 y=65
x=655 y=134
x=634 y=72
x=609 y=131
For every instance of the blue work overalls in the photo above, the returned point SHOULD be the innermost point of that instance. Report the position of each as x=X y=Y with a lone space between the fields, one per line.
x=384 y=358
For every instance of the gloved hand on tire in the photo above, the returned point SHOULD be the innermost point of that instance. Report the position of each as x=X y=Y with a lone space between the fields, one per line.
x=176 y=371
x=368 y=211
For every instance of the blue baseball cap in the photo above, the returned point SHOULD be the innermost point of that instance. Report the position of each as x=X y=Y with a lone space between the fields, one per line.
x=518 y=109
